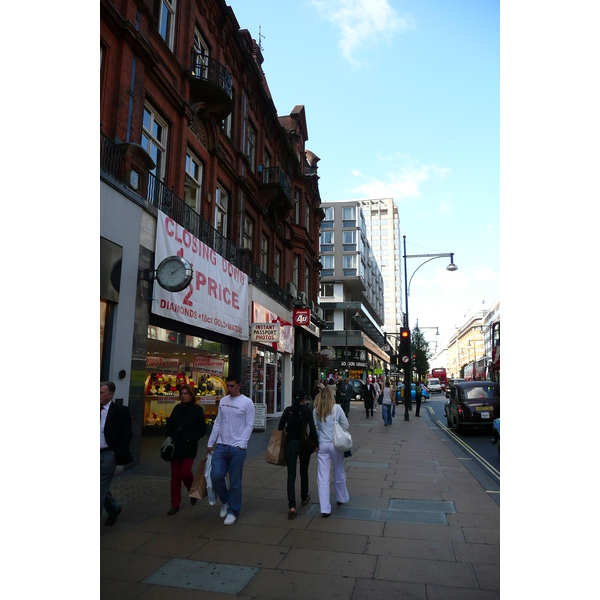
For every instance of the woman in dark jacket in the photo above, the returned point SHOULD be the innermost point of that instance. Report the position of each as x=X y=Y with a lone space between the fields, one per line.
x=296 y=417
x=186 y=426
x=368 y=399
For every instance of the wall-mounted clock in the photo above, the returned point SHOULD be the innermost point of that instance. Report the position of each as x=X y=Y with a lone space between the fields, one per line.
x=174 y=273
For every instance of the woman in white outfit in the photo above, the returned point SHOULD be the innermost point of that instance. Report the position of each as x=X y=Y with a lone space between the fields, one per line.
x=324 y=415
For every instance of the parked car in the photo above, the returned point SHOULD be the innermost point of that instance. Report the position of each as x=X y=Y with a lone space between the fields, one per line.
x=473 y=404
x=434 y=385
x=451 y=383
x=496 y=432
x=424 y=393
x=359 y=387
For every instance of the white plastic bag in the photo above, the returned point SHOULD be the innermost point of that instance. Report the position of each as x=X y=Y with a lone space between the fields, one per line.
x=212 y=498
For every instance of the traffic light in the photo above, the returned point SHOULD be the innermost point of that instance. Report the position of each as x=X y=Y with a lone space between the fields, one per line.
x=173 y=337
x=404 y=345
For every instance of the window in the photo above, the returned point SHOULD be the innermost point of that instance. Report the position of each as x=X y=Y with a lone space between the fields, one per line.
x=326 y=237
x=247 y=233
x=306 y=278
x=350 y=261
x=307 y=216
x=328 y=214
x=264 y=253
x=193 y=181
x=251 y=148
x=166 y=21
x=297 y=207
x=349 y=213
x=349 y=237
x=295 y=273
x=327 y=290
x=222 y=208
x=277 y=267
x=328 y=261
x=154 y=140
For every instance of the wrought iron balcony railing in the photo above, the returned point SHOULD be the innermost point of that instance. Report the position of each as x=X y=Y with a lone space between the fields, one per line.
x=207 y=68
x=111 y=156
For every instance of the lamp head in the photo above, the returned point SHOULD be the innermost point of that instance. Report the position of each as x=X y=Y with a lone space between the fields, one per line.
x=452 y=266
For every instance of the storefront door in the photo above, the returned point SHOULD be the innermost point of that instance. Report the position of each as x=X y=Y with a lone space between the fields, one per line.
x=264 y=379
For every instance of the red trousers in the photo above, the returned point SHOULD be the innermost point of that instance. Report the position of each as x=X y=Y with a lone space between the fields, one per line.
x=181 y=470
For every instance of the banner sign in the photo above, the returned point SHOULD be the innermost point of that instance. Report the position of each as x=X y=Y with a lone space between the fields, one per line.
x=211 y=366
x=267 y=333
x=217 y=297
x=301 y=316
x=159 y=364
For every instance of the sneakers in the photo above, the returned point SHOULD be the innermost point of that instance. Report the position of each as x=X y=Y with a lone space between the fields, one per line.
x=230 y=520
x=223 y=512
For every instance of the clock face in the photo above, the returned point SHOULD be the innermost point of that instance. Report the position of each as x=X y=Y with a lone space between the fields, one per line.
x=174 y=273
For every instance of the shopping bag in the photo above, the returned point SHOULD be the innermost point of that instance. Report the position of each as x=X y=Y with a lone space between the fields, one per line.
x=307 y=445
x=198 y=489
x=210 y=491
x=342 y=440
x=276 y=448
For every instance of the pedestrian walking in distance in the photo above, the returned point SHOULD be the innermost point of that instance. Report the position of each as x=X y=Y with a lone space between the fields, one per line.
x=231 y=433
x=386 y=404
x=368 y=399
x=327 y=455
x=115 y=437
x=185 y=426
x=294 y=419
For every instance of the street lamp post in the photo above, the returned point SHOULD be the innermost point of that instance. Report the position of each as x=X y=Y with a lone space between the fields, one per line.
x=408 y=367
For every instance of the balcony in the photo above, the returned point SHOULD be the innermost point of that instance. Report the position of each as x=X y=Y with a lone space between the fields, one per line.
x=275 y=191
x=210 y=85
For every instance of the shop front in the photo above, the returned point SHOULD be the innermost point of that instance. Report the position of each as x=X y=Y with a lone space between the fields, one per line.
x=197 y=335
x=272 y=342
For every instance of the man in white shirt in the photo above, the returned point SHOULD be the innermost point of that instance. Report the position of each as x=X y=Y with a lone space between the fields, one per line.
x=231 y=432
x=376 y=392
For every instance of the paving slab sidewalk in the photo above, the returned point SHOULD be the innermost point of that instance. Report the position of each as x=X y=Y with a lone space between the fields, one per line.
x=418 y=526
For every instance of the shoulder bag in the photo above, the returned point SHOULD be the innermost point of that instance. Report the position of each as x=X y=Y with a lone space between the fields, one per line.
x=342 y=440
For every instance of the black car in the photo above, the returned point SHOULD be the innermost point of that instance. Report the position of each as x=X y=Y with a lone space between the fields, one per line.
x=473 y=404
x=359 y=387
x=450 y=385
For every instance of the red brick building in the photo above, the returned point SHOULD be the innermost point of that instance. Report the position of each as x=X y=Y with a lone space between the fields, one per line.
x=189 y=131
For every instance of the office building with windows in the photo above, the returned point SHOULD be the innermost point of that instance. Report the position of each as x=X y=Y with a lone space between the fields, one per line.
x=382 y=222
x=351 y=296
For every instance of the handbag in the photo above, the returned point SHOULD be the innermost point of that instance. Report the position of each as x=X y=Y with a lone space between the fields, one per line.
x=198 y=487
x=276 y=449
x=210 y=491
x=168 y=449
x=342 y=440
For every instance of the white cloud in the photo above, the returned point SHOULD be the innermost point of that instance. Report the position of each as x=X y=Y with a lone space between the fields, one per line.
x=485 y=274
x=402 y=182
x=362 y=22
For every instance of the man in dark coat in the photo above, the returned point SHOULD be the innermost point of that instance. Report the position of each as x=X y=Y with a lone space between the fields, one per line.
x=347 y=398
x=115 y=436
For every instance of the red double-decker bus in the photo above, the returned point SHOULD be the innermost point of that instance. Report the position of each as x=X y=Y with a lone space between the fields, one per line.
x=441 y=375
x=494 y=366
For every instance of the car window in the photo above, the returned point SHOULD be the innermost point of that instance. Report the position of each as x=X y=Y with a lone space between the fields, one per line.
x=483 y=391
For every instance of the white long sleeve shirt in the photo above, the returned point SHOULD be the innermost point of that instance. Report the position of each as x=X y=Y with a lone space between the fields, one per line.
x=234 y=423
x=325 y=428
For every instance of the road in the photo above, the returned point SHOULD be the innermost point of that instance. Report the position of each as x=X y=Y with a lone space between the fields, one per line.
x=472 y=445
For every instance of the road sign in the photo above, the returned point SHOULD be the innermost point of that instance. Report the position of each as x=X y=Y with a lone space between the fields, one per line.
x=386 y=348
x=405 y=359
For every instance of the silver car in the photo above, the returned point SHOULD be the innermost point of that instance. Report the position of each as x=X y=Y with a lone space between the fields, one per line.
x=433 y=385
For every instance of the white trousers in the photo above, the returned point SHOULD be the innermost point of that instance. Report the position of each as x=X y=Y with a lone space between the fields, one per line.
x=326 y=455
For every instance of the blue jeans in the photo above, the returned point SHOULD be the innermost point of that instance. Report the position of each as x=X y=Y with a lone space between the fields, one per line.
x=386 y=413
x=228 y=459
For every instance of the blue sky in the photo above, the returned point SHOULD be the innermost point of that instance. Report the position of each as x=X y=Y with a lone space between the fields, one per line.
x=402 y=100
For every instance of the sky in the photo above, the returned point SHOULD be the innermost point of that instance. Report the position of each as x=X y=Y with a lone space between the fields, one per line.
x=402 y=100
